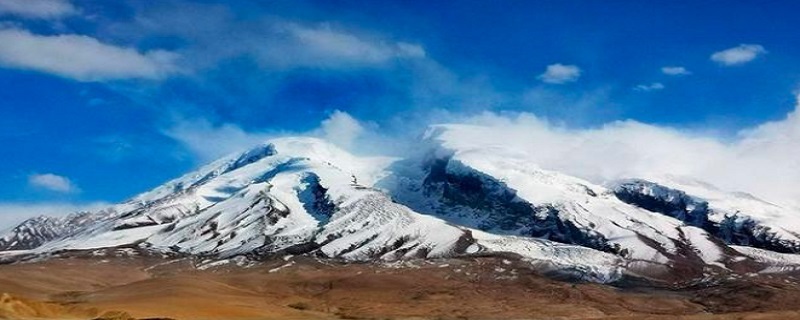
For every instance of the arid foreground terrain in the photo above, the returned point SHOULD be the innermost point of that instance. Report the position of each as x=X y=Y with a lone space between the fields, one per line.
x=112 y=287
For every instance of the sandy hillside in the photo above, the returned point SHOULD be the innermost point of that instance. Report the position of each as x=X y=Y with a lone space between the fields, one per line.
x=301 y=288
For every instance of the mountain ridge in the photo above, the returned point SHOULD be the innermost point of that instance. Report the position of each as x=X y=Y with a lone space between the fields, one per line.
x=455 y=197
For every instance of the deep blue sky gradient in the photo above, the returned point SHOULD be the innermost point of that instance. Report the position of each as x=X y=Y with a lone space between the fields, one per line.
x=108 y=136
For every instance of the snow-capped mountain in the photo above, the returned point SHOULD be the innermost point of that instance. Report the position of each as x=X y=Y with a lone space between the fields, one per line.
x=491 y=186
x=34 y=232
x=456 y=197
x=299 y=196
x=497 y=189
x=734 y=218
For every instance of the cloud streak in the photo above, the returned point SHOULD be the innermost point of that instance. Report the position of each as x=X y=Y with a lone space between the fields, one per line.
x=655 y=86
x=215 y=33
x=80 y=57
x=37 y=9
x=296 y=45
x=675 y=71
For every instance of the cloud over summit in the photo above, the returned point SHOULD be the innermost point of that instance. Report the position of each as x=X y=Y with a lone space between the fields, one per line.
x=763 y=160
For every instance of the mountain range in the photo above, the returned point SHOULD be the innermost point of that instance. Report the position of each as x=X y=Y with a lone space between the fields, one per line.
x=455 y=196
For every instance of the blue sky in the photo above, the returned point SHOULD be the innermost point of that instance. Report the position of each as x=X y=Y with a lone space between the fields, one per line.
x=101 y=100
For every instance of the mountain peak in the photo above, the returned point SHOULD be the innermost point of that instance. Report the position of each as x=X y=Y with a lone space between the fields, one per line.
x=461 y=195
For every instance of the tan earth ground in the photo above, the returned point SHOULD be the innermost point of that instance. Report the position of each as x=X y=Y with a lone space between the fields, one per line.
x=303 y=288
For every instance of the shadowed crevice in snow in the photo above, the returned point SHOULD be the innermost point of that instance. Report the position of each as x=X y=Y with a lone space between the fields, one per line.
x=315 y=198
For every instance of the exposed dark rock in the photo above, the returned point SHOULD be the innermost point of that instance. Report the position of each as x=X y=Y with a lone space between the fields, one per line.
x=667 y=201
x=733 y=229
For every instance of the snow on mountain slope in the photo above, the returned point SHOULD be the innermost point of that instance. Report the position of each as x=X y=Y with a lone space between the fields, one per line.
x=484 y=184
x=251 y=198
x=463 y=194
x=785 y=221
x=775 y=262
x=36 y=231
x=603 y=267
x=300 y=195
x=735 y=218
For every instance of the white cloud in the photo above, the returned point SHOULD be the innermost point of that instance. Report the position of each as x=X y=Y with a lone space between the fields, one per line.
x=559 y=74
x=675 y=71
x=580 y=107
x=214 y=33
x=209 y=142
x=341 y=129
x=13 y=213
x=37 y=9
x=738 y=55
x=81 y=57
x=764 y=160
x=294 y=45
x=52 y=182
x=411 y=50
x=655 y=86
